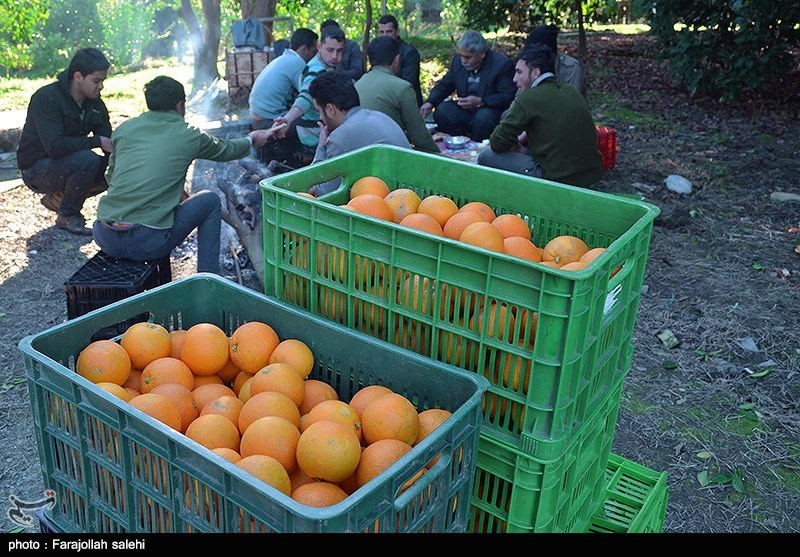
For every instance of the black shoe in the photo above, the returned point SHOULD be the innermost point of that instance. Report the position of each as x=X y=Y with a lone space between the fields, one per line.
x=52 y=200
x=75 y=225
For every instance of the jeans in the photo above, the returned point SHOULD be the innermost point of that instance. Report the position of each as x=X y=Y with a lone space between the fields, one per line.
x=479 y=125
x=79 y=175
x=201 y=210
x=513 y=161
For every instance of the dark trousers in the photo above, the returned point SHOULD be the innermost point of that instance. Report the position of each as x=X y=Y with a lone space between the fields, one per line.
x=201 y=210
x=79 y=175
x=280 y=150
x=454 y=120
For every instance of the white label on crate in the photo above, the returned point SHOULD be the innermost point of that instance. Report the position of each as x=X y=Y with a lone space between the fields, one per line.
x=611 y=299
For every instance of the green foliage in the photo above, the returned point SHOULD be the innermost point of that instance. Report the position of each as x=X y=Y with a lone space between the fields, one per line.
x=723 y=47
x=18 y=23
x=492 y=15
x=127 y=25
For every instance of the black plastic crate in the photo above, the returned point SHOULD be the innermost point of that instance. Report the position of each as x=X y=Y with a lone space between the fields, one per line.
x=103 y=280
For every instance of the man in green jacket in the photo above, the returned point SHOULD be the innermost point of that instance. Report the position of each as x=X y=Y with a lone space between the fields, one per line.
x=555 y=122
x=381 y=89
x=146 y=211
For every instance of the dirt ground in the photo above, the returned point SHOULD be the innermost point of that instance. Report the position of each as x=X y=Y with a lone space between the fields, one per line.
x=719 y=411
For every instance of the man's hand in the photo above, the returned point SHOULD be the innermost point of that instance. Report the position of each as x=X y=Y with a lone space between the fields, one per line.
x=425 y=109
x=323 y=134
x=470 y=103
x=259 y=137
x=105 y=144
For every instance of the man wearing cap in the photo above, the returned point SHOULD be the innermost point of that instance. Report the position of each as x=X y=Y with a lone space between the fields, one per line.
x=569 y=70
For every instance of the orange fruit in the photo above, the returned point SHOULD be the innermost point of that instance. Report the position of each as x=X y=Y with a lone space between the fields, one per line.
x=429 y=420
x=296 y=353
x=228 y=454
x=133 y=379
x=315 y=392
x=131 y=391
x=564 y=249
x=116 y=390
x=206 y=379
x=372 y=205
x=423 y=222
x=228 y=373
x=402 y=202
x=145 y=342
x=208 y=392
x=176 y=341
x=228 y=406
x=336 y=411
x=439 y=207
x=511 y=225
x=369 y=184
x=306 y=194
x=269 y=403
x=165 y=370
x=298 y=478
x=522 y=248
x=319 y=494
x=486 y=212
x=183 y=399
x=573 y=266
x=365 y=395
x=205 y=349
x=251 y=345
x=240 y=380
x=279 y=377
x=379 y=456
x=268 y=470
x=483 y=234
x=499 y=321
x=456 y=224
x=391 y=416
x=591 y=255
x=104 y=361
x=272 y=436
x=244 y=392
x=159 y=407
x=328 y=451
x=214 y=431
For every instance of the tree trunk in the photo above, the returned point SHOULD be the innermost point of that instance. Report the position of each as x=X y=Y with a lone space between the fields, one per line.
x=581 y=30
x=367 y=27
x=205 y=42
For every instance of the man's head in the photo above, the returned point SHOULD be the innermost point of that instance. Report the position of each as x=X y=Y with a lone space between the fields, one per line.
x=384 y=51
x=87 y=70
x=304 y=43
x=387 y=25
x=163 y=94
x=472 y=48
x=334 y=94
x=328 y=23
x=533 y=61
x=544 y=34
x=331 y=45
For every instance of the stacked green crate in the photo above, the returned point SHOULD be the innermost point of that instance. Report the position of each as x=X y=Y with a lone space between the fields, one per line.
x=555 y=345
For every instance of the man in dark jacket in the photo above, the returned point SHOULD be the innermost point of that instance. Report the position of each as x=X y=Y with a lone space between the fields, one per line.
x=409 y=56
x=352 y=63
x=66 y=120
x=483 y=79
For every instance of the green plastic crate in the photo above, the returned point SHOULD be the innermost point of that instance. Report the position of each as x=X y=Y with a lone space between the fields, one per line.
x=635 y=500
x=515 y=492
x=352 y=269
x=115 y=469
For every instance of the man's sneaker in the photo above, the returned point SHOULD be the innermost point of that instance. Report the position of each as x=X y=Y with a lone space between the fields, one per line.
x=76 y=225
x=52 y=200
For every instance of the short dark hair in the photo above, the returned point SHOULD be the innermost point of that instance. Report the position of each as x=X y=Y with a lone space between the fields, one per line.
x=382 y=50
x=163 y=93
x=336 y=88
x=538 y=55
x=545 y=34
x=328 y=23
x=389 y=18
x=87 y=61
x=331 y=31
x=303 y=37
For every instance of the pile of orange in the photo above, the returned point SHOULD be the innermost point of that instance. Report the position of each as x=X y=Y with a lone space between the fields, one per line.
x=248 y=398
x=473 y=223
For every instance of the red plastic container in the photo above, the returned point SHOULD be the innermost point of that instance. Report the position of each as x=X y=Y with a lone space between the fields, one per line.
x=607 y=144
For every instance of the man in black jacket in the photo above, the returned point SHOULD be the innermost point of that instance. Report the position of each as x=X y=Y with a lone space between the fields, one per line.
x=483 y=79
x=409 y=56
x=55 y=152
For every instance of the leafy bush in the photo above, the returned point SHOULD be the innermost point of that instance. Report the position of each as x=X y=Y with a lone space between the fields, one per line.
x=724 y=47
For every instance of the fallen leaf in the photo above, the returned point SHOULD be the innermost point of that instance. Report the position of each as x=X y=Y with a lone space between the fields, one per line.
x=747 y=344
x=705 y=455
x=793 y=229
x=702 y=478
x=668 y=339
x=668 y=364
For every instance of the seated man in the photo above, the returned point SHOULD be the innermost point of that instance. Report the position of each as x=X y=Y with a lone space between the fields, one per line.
x=346 y=125
x=381 y=89
x=275 y=89
x=352 y=63
x=409 y=56
x=66 y=120
x=483 y=79
x=146 y=211
x=568 y=70
x=329 y=56
x=561 y=137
